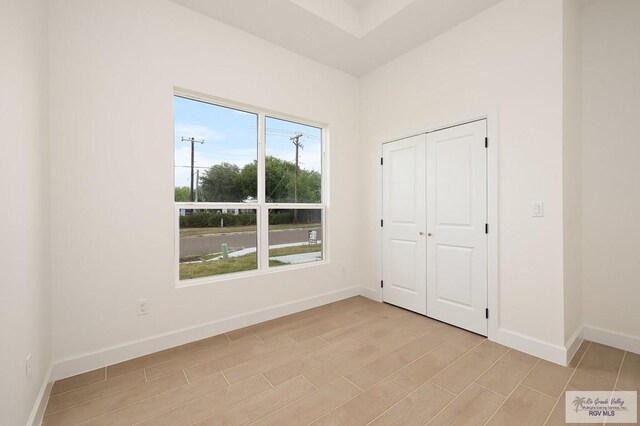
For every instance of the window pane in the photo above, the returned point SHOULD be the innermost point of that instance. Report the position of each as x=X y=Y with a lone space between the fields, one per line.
x=295 y=236
x=223 y=143
x=217 y=241
x=293 y=163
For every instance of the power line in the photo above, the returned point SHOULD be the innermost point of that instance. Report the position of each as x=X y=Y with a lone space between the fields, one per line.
x=296 y=141
x=283 y=132
x=193 y=141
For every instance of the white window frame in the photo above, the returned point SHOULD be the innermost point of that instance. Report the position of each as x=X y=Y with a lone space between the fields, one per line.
x=261 y=206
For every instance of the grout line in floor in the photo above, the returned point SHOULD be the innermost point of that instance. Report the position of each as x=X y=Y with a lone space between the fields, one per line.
x=394 y=384
x=425 y=354
x=185 y=376
x=341 y=405
x=564 y=390
x=89 y=420
x=320 y=337
x=79 y=387
x=359 y=388
x=537 y=391
x=225 y=378
x=429 y=380
x=492 y=391
x=290 y=403
x=512 y=391
x=95 y=398
x=233 y=405
x=440 y=387
x=303 y=376
x=347 y=354
x=615 y=385
x=270 y=384
x=459 y=358
x=183 y=355
x=397 y=402
x=471 y=383
x=184 y=402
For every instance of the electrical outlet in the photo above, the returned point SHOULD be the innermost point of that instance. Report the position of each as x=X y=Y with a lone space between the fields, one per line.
x=142 y=307
x=28 y=367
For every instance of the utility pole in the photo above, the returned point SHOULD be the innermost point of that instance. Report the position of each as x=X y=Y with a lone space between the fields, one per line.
x=193 y=141
x=197 y=184
x=296 y=141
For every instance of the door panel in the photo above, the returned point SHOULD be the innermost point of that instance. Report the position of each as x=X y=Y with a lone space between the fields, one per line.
x=453 y=179
x=403 y=209
x=456 y=217
x=454 y=274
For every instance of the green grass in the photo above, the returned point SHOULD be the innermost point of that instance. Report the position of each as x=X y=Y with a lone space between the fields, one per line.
x=195 y=232
x=223 y=266
x=285 y=251
x=238 y=264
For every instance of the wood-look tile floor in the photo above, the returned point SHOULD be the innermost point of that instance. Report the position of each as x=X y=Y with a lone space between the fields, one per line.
x=353 y=362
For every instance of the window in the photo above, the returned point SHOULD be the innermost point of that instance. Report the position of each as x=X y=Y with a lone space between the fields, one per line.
x=248 y=191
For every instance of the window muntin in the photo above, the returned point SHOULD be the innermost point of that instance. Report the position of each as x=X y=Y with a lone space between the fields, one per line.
x=233 y=178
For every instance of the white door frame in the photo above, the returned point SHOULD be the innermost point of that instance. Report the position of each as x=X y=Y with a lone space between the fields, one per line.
x=492 y=204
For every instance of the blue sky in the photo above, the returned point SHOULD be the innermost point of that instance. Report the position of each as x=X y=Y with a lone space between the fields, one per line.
x=231 y=136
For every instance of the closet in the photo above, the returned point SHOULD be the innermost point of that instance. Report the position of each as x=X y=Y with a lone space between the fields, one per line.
x=434 y=224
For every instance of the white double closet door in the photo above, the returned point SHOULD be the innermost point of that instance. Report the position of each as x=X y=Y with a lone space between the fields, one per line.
x=434 y=245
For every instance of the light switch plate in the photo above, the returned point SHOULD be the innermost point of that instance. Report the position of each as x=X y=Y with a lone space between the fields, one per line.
x=537 y=209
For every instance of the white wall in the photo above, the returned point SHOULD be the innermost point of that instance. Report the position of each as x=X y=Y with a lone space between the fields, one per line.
x=510 y=58
x=572 y=169
x=24 y=236
x=611 y=171
x=114 y=66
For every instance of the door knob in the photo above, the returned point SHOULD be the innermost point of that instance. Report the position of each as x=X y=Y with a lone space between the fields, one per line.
x=429 y=234
x=421 y=233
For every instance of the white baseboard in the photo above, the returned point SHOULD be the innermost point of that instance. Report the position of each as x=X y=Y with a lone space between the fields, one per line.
x=615 y=339
x=114 y=354
x=371 y=293
x=532 y=346
x=563 y=355
x=573 y=344
x=37 y=413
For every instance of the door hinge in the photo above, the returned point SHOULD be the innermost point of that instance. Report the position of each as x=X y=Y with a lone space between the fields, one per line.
x=486 y=228
x=381 y=284
x=381 y=222
x=486 y=313
x=381 y=161
x=486 y=142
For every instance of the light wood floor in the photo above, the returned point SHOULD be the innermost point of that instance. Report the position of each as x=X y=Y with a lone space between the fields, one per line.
x=352 y=362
